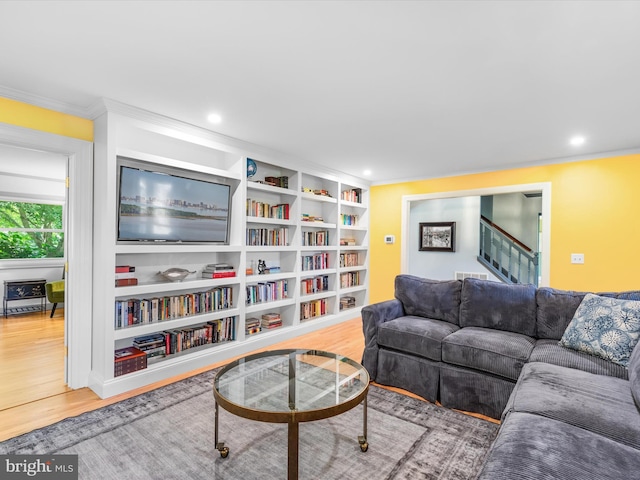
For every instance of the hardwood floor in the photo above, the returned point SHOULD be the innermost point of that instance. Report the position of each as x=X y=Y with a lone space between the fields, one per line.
x=32 y=387
x=31 y=358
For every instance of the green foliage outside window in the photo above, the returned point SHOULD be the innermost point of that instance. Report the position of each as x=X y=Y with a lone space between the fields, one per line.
x=30 y=230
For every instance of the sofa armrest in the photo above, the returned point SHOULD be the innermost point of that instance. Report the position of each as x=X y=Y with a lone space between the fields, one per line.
x=372 y=317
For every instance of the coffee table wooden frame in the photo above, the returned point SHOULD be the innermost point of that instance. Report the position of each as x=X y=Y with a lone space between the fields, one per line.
x=293 y=417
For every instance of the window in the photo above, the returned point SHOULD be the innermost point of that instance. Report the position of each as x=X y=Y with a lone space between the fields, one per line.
x=31 y=230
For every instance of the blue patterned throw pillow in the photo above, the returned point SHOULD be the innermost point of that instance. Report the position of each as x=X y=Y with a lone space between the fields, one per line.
x=605 y=327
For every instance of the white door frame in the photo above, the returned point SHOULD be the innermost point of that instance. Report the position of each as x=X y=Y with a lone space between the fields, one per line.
x=78 y=241
x=545 y=245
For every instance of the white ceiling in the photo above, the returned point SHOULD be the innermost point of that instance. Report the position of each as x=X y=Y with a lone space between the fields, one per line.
x=406 y=89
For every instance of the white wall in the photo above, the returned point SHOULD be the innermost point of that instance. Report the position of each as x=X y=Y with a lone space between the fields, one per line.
x=465 y=211
x=518 y=215
x=27 y=174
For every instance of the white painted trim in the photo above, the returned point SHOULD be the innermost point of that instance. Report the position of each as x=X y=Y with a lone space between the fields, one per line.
x=514 y=166
x=79 y=241
x=545 y=188
x=43 y=102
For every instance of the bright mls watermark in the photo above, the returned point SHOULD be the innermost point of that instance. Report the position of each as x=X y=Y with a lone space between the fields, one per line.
x=52 y=467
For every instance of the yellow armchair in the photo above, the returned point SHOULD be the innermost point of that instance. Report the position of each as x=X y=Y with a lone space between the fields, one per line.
x=55 y=294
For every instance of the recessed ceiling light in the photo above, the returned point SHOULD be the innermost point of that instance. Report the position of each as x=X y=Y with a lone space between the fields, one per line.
x=367 y=172
x=214 y=118
x=577 y=140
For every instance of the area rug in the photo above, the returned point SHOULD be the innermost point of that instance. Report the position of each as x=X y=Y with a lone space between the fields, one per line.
x=168 y=434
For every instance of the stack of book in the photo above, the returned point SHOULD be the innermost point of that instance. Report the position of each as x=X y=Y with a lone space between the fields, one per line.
x=152 y=345
x=252 y=325
x=282 y=182
x=125 y=276
x=271 y=320
x=311 y=218
x=218 y=270
x=127 y=360
x=347 y=241
x=347 y=302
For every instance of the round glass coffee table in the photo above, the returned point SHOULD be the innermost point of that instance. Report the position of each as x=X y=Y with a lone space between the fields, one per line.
x=291 y=386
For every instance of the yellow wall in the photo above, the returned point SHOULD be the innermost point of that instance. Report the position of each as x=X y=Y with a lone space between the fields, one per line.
x=593 y=211
x=38 y=118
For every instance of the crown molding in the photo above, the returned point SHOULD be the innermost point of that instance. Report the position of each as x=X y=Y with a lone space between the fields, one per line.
x=516 y=166
x=215 y=139
x=43 y=102
x=224 y=142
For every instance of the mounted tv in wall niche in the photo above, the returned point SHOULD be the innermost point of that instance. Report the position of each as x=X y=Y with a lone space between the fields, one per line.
x=158 y=203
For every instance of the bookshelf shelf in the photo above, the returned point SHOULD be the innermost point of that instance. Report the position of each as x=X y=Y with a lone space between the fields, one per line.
x=131 y=331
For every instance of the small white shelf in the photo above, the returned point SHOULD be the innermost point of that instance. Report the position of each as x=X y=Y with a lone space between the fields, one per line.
x=186 y=285
x=264 y=306
x=317 y=198
x=317 y=296
x=148 y=328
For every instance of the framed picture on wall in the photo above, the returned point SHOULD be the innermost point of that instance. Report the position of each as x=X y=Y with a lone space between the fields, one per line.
x=437 y=237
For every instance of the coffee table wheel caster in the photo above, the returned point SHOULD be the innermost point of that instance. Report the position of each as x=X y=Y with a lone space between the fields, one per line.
x=364 y=446
x=224 y=451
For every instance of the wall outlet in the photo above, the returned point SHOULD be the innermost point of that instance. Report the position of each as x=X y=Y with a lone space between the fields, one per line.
x=577 y=258
x=389 y=239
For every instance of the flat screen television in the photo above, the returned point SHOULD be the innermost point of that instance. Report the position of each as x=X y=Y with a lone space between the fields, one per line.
x=158 y=204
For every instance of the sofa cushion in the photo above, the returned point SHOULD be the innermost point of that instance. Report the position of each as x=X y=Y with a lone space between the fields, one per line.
x=533 y=447
x=597 y=403
x=496 y=305
x=605 y=327
x=555 y=310
x=557 y=307
x=550 y=351
x=416 y=335
x=437 y=299
x=409 y=372
x=473 y=391
x=634 y=375
x=493 y=351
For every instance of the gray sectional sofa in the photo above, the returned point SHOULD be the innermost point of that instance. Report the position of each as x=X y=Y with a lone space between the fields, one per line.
x=494 y=349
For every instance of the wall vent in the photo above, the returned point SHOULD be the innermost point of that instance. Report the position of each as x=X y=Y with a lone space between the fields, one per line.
x=463 y=275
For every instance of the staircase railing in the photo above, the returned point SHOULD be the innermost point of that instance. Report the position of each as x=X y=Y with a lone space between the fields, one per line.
x=505 y=256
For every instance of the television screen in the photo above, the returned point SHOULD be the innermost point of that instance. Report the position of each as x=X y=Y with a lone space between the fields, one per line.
x=164 y=207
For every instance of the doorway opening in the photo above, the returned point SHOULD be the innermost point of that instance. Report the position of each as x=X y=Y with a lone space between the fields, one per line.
x=33 y=198
x=410 y=222
x=78 y=242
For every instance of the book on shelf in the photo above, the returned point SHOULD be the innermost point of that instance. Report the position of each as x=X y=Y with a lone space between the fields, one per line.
x=128 y=360
x=125 y=275
x=125 y=268
x=219 y=274
x=214 y=331
x=137 y=311
x=347 y=302
x=314 y=308
x=212 y=267
x=311 y=218
x=348 y=241
x=271 y=320
x=353 y=195
x=252 y=325
x=282 y=182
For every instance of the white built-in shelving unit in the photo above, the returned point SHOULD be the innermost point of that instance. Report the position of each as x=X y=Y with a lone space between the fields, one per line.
x=327 y=220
